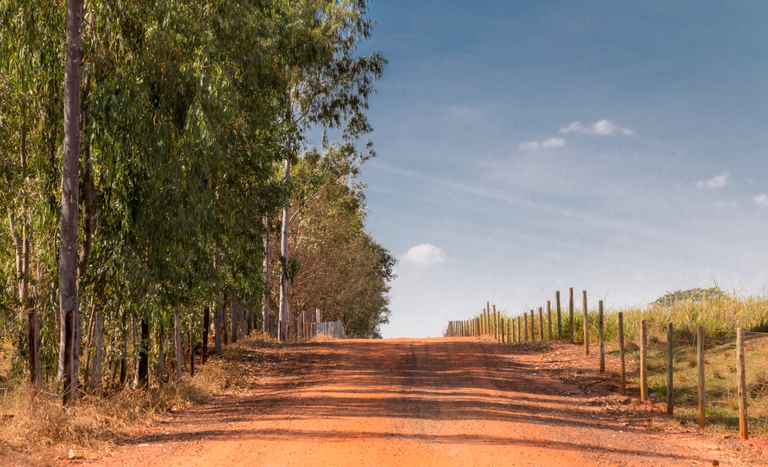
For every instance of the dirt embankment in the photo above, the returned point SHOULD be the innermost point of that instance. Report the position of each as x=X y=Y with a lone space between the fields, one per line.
x=441 y=402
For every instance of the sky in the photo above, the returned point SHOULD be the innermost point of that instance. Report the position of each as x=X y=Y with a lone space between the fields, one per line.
x=526 y=147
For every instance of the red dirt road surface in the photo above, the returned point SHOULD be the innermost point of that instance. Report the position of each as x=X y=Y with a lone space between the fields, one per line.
x=429 y=402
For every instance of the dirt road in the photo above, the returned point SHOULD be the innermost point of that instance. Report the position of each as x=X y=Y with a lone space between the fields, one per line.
x=429 y=402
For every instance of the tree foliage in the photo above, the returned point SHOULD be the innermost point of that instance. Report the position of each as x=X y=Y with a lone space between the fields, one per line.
x=188 y=109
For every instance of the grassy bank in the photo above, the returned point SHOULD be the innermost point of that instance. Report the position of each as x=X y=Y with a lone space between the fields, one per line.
x=720 y=315
x=32 y=421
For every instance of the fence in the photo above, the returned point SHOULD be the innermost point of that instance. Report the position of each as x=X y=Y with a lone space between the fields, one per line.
x=301 y=327
x=525 y=328
x=332 y=328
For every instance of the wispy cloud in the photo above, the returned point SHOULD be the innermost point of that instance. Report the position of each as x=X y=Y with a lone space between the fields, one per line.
x=717 y=181
x=548 y=144
x=603 y=127
x=425 y=254
x=761 y=199
x=553 y=143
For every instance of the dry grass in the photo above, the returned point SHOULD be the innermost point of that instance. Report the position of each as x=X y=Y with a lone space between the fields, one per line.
x=29 y=420
x=322 y=338
x=720 y=316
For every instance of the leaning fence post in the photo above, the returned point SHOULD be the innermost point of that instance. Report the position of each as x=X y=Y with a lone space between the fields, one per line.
x=570 y=310
x=670 y=368
x=700 y=363
x=643 y=363
x=742 y=377
x=559 y=320
x=601 y=332
x=621 y=355
x=549 y=318
x=586 y=322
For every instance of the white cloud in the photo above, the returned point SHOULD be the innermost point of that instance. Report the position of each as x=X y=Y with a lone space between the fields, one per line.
x=575 y=126
x=761 y=199
x=553 y=143
x=717 y=181
x=603 y=127
x=548 y=144
x=425 y=254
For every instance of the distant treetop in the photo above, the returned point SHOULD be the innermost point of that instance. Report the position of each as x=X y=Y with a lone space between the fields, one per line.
x=694 y=295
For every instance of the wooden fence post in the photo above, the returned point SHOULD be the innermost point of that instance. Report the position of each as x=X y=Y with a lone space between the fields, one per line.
x=503 y=329
x=700 y=363
x=601 y=332
x=525 y=319
x=519 y=330
x=623 y=375
x=495 y=324
x=510 y=331
x=488 y=307
x=559 y=319
x=570 y=310
x=670 y=368
x=541 y=325
x=741 y=375
x=643 y=362
x=533 y=327
x=586 y=322
x=549 y=318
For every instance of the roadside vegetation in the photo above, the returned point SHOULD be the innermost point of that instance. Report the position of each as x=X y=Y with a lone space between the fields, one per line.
x=162 y=199
x=720 y=313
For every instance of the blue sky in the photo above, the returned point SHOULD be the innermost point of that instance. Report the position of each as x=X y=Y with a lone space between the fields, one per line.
x=660 y=186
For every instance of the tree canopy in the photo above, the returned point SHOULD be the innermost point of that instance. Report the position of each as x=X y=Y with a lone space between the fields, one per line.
x=187 y=112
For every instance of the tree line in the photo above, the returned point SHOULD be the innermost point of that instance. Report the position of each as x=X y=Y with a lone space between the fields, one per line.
x=159 y=181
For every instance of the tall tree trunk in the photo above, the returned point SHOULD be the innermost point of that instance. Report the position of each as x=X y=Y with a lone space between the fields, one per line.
x=143 y=373
x=265 y=296
x=124 y=348
x=98 y=336
x=134 y=347
x=177 y=341
x=206 y=326
x=224 y=335
x=284 y=253
x=68 y=305
x=219 y=311
x=243 y=331
x=233 y=312
x=192 y=345
x=217 y=324
x=161 y=352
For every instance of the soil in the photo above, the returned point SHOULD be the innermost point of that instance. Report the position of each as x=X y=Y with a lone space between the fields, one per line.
x=427 y=402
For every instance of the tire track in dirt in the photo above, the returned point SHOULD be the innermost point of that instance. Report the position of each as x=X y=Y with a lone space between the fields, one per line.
x=430 y=402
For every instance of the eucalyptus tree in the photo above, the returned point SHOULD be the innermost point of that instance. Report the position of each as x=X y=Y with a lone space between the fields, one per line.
x=69 y=203
x=328 y=88
x=344 y=271
x=31 y=34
